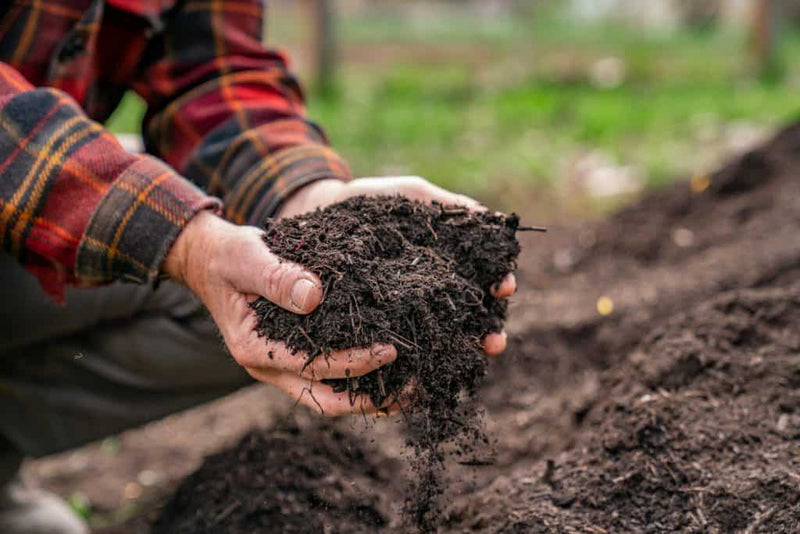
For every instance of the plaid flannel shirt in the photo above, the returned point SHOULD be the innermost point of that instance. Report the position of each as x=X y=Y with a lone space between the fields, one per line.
x=225 y=120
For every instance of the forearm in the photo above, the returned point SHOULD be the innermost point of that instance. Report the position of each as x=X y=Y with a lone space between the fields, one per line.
x=228 y=114
x=76 y=208
x=254 y=177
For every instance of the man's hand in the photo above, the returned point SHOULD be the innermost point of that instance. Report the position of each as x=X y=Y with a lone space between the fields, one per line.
x=227 y=266
x=326 y=192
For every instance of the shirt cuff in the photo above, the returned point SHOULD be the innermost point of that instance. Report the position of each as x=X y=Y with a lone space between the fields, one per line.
x=274 y=179
x=136 y=222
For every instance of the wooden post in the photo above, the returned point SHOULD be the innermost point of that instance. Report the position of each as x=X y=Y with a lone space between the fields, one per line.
x=324 y=49
x=763 y=37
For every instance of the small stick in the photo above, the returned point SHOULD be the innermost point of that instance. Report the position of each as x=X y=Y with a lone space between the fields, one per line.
x=428 y=224
x=531 y=229
x=398 y=338
x=310 y=394
x=380 y=383
x=476 y=462
x=308 y=338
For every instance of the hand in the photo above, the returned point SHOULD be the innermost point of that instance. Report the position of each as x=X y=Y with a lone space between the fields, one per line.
x=227 y=266
x=326 y=192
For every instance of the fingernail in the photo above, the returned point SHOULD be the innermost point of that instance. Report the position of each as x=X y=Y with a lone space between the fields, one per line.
x=384 y=353
x=302 y=292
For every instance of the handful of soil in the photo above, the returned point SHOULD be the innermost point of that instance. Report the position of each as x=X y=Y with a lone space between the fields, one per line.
x=414 y=275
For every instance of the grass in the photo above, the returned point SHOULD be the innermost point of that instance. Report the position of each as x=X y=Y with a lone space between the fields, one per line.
x=501 y=105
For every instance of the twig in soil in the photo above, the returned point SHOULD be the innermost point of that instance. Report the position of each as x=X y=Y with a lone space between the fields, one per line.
x=476 y=462
x=310 y=358
x=759 y=520
x=450 y=301
x=351 y=393
x=428 y=224
x=381 y=385
x=477 y=302
x=531 y=229
x=354 y=302
x=352 y=389
x=375 y=238
x=701 y=517
x=413 y=330
x=455 y=211
x=310 y=394
x=226 y=512
x=407 y=343
x=549 y=471
x=308 y=338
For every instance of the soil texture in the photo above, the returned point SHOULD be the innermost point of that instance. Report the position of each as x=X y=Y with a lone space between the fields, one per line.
x=414 y=275
x=675 y=408
x=290 y=478
x=698 y=432
x=677 y=411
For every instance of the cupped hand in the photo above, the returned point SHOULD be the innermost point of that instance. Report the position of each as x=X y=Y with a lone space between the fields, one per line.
x=325 y=192
x=227 y=266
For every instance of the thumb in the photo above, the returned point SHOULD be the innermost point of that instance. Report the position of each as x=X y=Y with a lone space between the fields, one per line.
x=254 y=269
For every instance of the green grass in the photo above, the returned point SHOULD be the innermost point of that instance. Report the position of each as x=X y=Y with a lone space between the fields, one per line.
x=469 y=139
x=500 y=105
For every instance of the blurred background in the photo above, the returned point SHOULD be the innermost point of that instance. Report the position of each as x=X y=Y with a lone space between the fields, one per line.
x=562 y=108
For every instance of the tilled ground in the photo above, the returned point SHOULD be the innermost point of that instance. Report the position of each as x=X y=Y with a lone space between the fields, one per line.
x=679 y=410
x=675 y=409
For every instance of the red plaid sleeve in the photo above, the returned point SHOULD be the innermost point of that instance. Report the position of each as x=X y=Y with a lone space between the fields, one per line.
x=76 y=208
x=226 y=113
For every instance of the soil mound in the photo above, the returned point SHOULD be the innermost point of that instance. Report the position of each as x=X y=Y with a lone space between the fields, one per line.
x=699 y=432
x=707 y=211
x=618 y=423
x=291 y=478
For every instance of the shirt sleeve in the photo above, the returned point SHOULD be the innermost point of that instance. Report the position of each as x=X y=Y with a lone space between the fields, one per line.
x=226 y=113
x=76 y=208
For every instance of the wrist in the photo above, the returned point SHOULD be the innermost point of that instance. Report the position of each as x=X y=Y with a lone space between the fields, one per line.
x=187 y=244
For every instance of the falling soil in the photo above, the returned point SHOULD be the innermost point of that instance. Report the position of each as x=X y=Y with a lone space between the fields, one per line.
x=677 y=411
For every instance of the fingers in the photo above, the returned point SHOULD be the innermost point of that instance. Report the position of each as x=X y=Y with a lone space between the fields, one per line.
x=251 y=268
x=434 y=192
x=494 y=343
x=237 y=324
x=338 y=364
x=316 y=395
x=412 y=187
x=505 y=288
